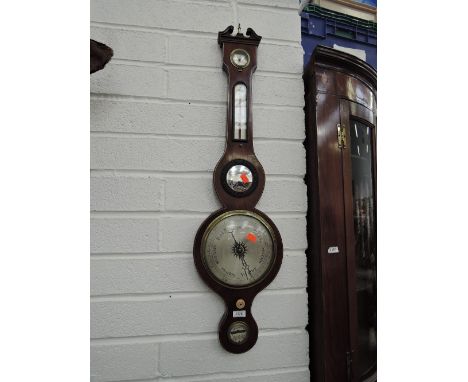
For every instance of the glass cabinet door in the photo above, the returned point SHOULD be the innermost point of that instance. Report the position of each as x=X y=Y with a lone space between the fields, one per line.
x=341 y=130
x=365 y=253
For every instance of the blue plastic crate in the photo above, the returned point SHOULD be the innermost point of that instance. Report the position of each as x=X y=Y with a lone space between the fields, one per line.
x=322 y=27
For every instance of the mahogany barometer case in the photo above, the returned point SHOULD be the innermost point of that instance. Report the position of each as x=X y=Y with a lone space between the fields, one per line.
x=238 y=249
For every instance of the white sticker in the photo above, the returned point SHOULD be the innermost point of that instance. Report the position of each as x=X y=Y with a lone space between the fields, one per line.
x=333 y=250
x=238 y=313
x=360 y=53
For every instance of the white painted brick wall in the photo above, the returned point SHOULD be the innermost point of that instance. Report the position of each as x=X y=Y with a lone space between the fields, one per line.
x=123 y=361
x=276 y=349
x=172 y=272
x=158 y=114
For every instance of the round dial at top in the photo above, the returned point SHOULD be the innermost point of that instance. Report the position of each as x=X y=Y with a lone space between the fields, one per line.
x=238 y=248
x=240 y=58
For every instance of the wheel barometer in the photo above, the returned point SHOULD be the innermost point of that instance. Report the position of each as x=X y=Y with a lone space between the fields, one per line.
x=238 y=249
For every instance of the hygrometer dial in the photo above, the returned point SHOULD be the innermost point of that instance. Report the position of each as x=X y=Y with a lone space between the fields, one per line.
x=238 y=332
x=238 y=249
x=240 y=58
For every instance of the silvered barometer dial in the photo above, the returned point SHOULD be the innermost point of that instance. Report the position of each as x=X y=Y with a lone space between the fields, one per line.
x=238 y=248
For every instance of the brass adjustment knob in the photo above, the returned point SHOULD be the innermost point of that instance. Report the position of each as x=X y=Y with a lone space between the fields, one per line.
x=240 y=303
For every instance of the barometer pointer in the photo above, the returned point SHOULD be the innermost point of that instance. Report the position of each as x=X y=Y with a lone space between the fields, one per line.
x=242 y=257
x=235 y=241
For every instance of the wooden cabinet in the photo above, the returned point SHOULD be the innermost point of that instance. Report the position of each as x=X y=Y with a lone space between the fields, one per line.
x=341 y=178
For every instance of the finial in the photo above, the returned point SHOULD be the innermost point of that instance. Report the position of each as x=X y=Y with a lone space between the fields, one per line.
x=226 y=35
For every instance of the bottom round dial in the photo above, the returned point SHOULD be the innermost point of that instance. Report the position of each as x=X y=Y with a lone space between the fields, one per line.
x=238 y=332
x=238 y=248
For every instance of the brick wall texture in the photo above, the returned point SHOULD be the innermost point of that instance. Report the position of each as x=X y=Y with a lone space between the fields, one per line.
x=158 y=114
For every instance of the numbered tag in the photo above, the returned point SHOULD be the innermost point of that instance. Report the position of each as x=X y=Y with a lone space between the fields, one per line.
x=333 y=250
x=238 y=313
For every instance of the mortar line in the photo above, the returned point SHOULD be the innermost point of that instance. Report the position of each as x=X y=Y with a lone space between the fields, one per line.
x=208 y=174
x=182 y=337
x=227 y=375
x=141 y=256
x=162 y=100
x=124 y=134
x=163 y=296
x=273 y=8
x=184 y=32
x=167 y=255
x=188 y=136
x=182 y=213
x=200 y=68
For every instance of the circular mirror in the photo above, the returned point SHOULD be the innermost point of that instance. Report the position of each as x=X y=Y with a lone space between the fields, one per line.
x=239 y=178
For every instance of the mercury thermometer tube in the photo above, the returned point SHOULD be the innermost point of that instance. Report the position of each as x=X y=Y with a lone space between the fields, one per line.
x=240 y=112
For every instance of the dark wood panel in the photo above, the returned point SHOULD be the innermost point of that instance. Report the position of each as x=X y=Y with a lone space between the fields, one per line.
x=353 y=89
x=332 y=79
x=314 y=275
x=325 y=80
x=351 y=110
x=334 y=287
x=239 y=149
